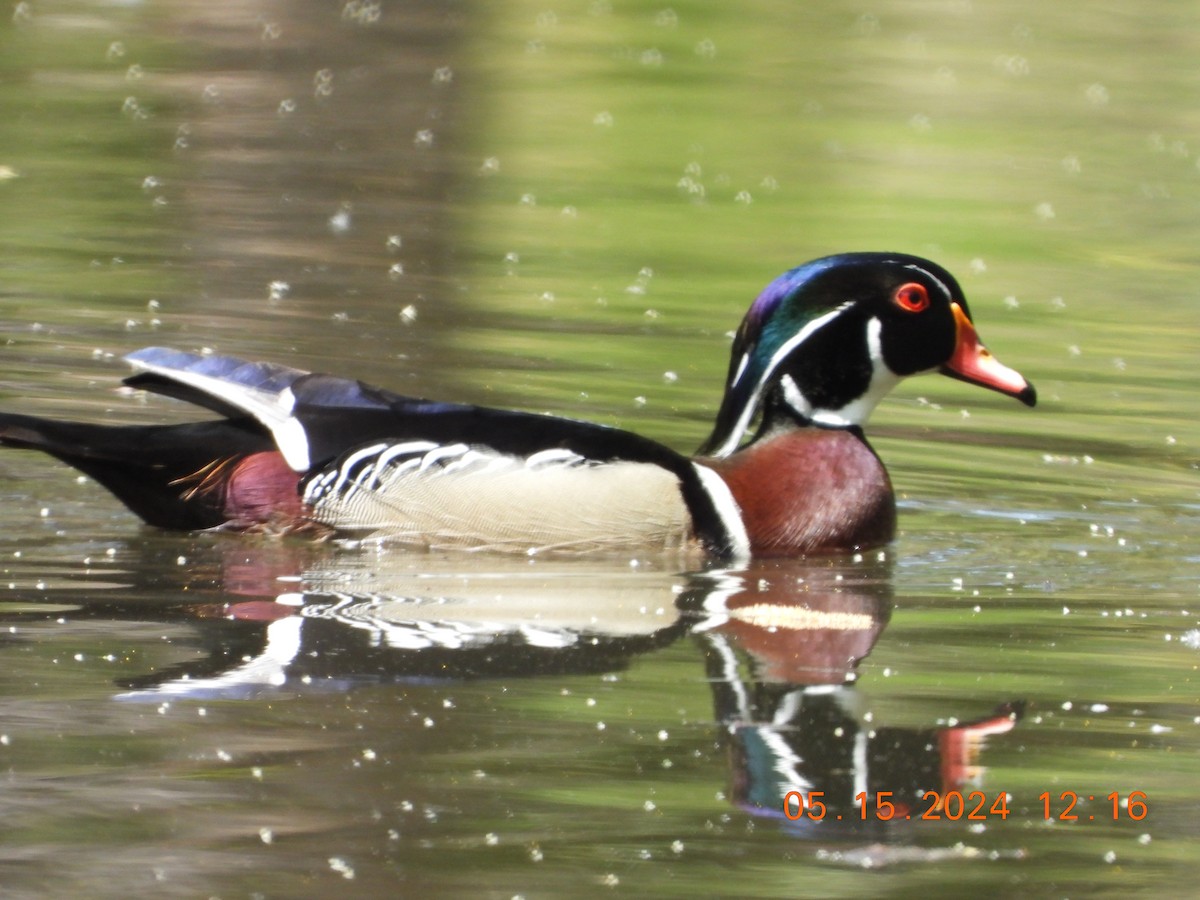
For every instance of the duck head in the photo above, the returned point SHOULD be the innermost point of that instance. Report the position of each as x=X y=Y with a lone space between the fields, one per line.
x=825 y=342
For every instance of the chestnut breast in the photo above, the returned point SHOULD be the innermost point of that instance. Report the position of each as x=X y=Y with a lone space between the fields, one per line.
x=810 y=490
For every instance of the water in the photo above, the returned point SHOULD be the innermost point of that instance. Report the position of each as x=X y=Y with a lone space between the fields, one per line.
x=568 y=209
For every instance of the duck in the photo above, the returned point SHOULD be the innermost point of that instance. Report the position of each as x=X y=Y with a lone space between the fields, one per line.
x=786 y=471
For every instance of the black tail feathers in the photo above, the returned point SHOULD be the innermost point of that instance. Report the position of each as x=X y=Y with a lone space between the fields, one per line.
x=152 y=469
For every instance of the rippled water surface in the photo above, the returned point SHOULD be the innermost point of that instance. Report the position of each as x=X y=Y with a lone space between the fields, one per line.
x=567 y=207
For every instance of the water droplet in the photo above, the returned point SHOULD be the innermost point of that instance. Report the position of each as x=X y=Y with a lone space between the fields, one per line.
x=362 y=12
x=867 y=24
x=323 y=83
x=343 y=868
x=340 y=221
x=691 y=187
x=1015 y=66
x=1096 y=94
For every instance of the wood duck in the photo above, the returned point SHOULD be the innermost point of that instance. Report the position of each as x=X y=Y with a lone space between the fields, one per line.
x=786 y=471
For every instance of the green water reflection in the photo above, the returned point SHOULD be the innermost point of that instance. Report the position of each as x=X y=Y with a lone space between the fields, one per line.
x=567 y=208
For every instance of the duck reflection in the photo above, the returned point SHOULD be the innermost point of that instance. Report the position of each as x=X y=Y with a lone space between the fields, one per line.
x=781 y=649
x=782 y=643
x=406 y=617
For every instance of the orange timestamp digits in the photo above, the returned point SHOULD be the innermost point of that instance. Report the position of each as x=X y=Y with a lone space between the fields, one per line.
x=975 y=806
x=952 y=805
x=1134 y=807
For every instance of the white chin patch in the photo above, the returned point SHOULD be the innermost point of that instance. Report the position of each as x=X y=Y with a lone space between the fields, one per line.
x=857 y=411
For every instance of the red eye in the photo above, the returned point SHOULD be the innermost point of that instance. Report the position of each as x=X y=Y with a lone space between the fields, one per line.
x=912 y=297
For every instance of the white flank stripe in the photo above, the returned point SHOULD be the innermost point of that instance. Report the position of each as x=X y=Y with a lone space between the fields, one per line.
x=727 y=509
x=439 y=453
x=553 y=457
x=403 y=450
x=356 y=457
x=474 y=460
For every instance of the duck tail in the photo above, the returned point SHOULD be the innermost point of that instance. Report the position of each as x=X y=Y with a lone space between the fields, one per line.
x=171 y=476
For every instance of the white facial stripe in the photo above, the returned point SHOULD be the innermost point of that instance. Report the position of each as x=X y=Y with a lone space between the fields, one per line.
x=743 y=422
x=883 y=379
x=875 y=342
x=932 y=277
x=741 y=369
x=794 y=398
